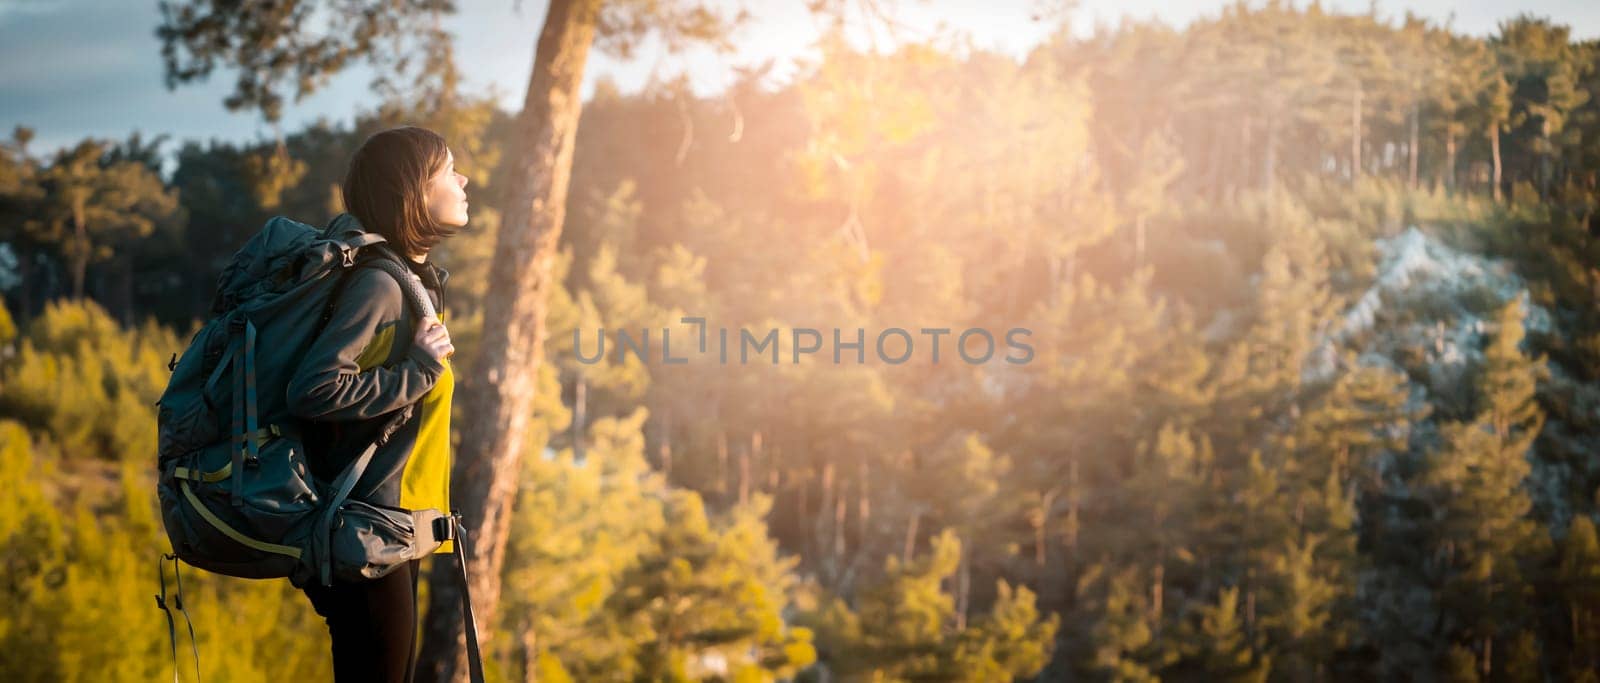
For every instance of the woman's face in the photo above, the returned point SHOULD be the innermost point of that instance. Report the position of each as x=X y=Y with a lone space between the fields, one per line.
x=447 y=195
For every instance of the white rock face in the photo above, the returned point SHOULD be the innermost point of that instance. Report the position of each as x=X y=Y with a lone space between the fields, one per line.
x=1415 y=265
x=1430 y=297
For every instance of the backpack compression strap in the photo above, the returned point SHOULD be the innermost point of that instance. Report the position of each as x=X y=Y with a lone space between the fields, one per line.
x=323 y=538
x=244 y=407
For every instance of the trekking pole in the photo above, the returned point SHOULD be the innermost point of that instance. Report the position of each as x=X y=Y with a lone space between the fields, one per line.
x=452 y=528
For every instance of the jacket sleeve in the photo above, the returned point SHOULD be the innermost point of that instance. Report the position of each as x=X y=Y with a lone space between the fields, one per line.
x=329 y=385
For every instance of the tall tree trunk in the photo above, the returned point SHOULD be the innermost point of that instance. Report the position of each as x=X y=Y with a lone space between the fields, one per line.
x=1494 y=153
x=1450 y=161
x=580 y=416
x=744 y=477
x=1411 y=148
x=721 y=486
x=863 y=505
x=1269 y=172
x=79 y=259
x=840 y=506
x=964 y=585
x=498 y=396
x=803 y=514
x=1573 y=620
x=768 y=464
x=530 y=654
x=1488 y=657
x=1214 y=165
x=664 y=449
x=1158 y=585
x=910 y=546
x=1244 y=156
x=1546 y=165
x=823 y=526
x=1040 y=523
x=80 y=273
x=1355 y=138
x=25 y=268
x=1250 y=614
x=125 y=296
x=1070 y=534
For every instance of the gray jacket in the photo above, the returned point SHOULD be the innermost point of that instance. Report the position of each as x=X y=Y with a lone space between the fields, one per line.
x=360 y=369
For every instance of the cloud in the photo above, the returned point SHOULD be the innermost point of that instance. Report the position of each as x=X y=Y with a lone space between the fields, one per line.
x=71 y=69
x=60 y=48
x=11 y=9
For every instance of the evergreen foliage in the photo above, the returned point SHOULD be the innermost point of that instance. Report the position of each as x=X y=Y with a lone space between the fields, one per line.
x=1313 y=394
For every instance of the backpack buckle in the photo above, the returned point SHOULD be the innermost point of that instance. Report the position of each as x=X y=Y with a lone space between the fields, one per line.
x=444 y=529
x=349 y=256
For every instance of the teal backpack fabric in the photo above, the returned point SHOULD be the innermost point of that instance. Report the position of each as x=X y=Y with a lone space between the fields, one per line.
x=237 y=497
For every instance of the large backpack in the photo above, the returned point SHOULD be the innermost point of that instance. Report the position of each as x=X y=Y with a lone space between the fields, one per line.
x=237 y=496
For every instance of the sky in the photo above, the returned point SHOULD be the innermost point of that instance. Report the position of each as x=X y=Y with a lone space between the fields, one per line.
x=70 y=69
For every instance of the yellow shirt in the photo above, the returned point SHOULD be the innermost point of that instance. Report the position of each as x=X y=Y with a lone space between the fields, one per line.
x=425 y=482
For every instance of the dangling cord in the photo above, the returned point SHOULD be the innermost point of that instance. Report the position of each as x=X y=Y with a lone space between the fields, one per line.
x=194 y=646
x=177 y=603
x=161 y=602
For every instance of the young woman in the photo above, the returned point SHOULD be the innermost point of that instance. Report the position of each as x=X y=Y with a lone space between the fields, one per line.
x=375 y=357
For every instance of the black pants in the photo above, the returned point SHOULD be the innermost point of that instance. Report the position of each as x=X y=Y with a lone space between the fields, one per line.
x=373 y=625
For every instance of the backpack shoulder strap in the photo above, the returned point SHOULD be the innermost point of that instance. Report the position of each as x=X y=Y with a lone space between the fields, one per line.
x=410 y=285
x=362 y=239
x=381 y=258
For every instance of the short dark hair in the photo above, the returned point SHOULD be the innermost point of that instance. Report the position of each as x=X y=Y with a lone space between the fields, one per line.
x=385 y=187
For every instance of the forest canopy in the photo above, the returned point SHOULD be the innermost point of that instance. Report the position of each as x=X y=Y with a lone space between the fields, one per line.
x=1315 y=392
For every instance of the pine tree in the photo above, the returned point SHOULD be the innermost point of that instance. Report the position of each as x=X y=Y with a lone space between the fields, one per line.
x=1483 y=530
x=1012 y=642
x=1218 y=647
x=1579 y=576
x=1522 y=658
x=1484 y=539
x=1461 y=71
x=91 y=203
x=1260 y=376
x=1543 y=69
x=579 y=525
x=1336 y=456
x=1509 y=382
x=1116 y=641
x=707 y=601
x=1299 y=609
x=20 y=209
x=903 y=627
x=86 y=382
x=1349 y=430
x=34 y=532
x=1461 y=666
